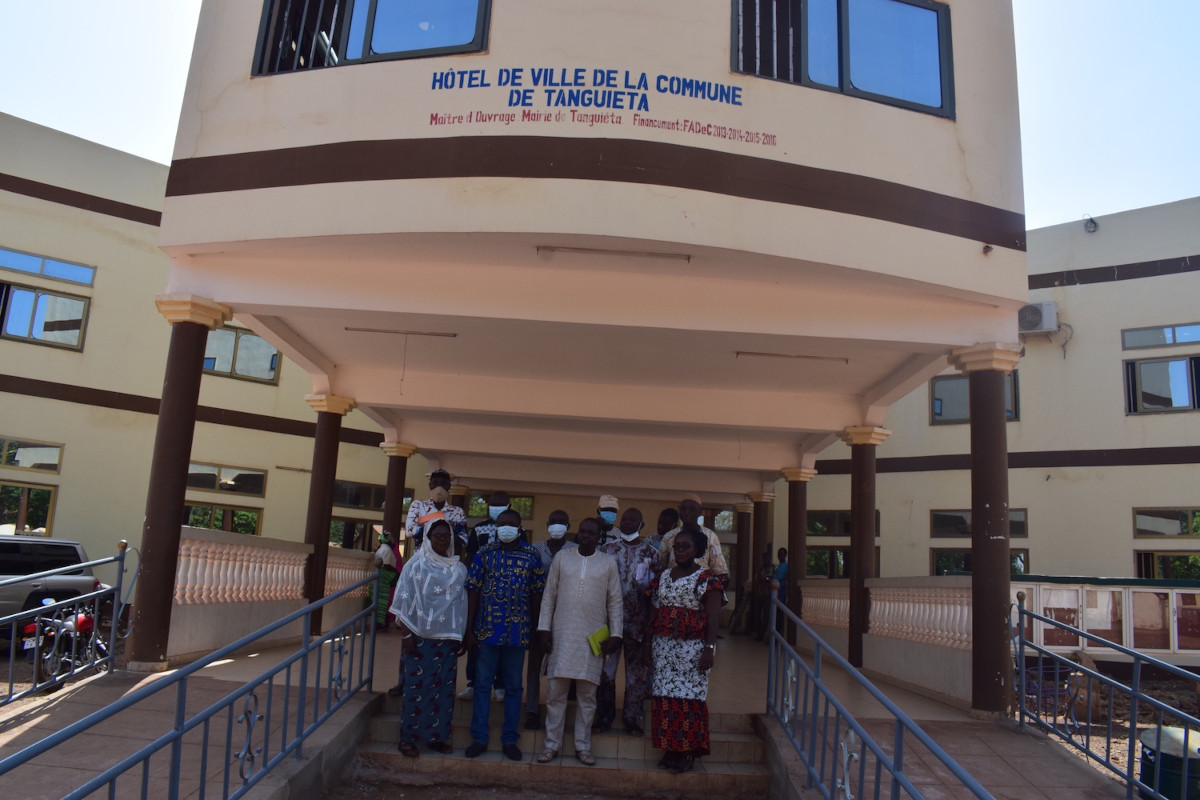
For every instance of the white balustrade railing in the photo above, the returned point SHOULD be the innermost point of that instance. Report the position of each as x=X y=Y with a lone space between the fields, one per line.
x=223 y=567
x=827 y=603
x=346 y=568
x=931 y=611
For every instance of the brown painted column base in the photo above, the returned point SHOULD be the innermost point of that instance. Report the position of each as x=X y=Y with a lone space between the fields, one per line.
x=330 y=410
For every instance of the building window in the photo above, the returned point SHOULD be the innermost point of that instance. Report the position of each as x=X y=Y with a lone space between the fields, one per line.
x=1160 y=336
x=1154 y=385
x=308 y=34
x=957 y=561
x=831 y=562
x=223 y=518
x=239 y=353
x=220 y=478
x=36 y=315
x=26 y=507
x=1167 y=566
x=366 y=496
x=833 y=523
x=16 y=261
x=477 y=504
x=957 y=523
x=23 y=454
x=949 y=399
x=1154 y=522
x=890 y=51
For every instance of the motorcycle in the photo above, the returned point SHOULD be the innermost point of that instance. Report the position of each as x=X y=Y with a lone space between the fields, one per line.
x=63 y=643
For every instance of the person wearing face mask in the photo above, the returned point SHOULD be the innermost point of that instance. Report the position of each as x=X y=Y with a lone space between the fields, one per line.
x=504 y=596
x=691 y=519
x=556 y=526
x=421 y=513
x=638 y=561
x=582 y=604
x=483 y=537
x=607 y=510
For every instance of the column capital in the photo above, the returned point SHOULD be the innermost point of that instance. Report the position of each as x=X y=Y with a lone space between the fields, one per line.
x=761 y=497
x=744 y=508
x=397 y=449
x=330 y=403
x=191 y=308
x=802 y=474
x=996 y=356
x=864 y=434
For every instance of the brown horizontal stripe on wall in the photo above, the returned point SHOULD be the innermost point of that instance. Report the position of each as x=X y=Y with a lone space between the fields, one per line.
x=1042 y=459
x=85 y=395
x=70 y=197
x=617 y=160
x=1120 y=272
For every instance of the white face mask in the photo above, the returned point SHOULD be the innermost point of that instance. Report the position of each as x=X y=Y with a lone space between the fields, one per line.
x=700 y=520
x=494 y=511
x=556 y=531
x=629 y=537
x=508 y=533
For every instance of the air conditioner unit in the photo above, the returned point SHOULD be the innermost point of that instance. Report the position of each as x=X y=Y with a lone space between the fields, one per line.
x=1038 y=318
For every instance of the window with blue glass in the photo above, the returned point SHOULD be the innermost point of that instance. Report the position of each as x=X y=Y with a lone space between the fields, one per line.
x=890 y=51
x=308 y=34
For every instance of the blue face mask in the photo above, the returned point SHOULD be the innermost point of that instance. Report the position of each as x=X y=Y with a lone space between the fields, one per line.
x=556 y=531
x=508 y=533
x=609 y=517
x=494 y=511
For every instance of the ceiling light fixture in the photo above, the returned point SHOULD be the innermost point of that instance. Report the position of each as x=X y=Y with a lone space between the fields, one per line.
x=591 y=251
x=402 y=333
x=751 y=353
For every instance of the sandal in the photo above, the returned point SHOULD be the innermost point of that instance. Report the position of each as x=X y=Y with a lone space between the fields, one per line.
x=547 y=756
x=444 y=748
x=408 y=749
x=586 y=758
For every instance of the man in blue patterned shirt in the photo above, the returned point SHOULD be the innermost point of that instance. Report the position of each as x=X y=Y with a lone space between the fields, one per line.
x=504 y=597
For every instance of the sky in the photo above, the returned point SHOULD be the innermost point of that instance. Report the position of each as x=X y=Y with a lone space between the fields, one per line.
x=1110 y=90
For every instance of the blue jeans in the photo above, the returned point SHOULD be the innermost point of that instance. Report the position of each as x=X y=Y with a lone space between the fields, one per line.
x=508 y=661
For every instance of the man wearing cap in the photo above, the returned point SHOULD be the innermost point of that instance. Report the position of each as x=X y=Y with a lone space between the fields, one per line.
x=689 y=519
x=423 y=512
x=608 y=510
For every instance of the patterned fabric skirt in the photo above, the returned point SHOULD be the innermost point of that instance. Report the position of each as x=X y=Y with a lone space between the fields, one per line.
x=680 y=725
x=429 y=675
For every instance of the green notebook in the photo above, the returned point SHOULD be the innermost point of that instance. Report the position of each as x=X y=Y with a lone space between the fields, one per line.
x=598 y=638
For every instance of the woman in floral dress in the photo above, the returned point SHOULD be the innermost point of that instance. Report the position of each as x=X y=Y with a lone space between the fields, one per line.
x=431 y=611
x=687 y=607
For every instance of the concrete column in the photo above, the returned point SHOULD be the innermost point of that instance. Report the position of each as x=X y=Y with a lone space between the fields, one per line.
x=191 y=319
x=797 y=541
x=393 y=499
x=744 y=522
x=863 y=441
x=330 y=410
x=762 y=527
x=986 y=366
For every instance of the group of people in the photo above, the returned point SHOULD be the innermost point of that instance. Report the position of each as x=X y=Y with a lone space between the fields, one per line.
x=568 y=609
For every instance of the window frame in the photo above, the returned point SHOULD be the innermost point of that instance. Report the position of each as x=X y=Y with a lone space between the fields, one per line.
x=41 y=272
x=259 y=513
x=237 y=341
x=50 y=506
x=1173 y=327
x=6 y=292
x=967 y=535
x=265 y=44
x=482 y=497
x=220 y=467
x=1133 y=394
x=1192 y=523
x=800 y=61
x=934 y=552
x=1010 y=379
x=4 y=441
x=842 y=519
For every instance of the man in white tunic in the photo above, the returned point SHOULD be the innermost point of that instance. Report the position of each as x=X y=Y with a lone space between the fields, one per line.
x=583 y=594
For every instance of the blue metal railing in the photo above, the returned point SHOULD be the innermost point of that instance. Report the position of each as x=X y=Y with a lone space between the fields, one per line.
x=1052 y=689
x=840 y=757
x=274 y=719
x=55 y=650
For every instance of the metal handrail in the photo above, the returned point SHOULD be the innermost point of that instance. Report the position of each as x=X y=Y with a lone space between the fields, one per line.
x=1056 y=685
x=813 y=720
x=354 y=638
x=48 y=615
